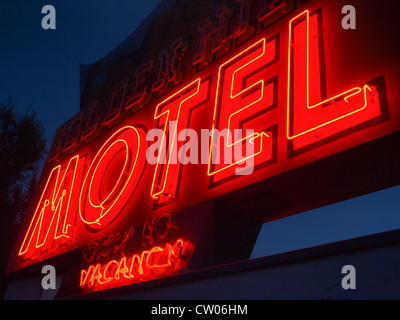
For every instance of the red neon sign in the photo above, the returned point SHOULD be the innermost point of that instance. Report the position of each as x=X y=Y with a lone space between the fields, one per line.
x=148 y=264
x=237 y=102
x=250 y=107
x=54 y=218
x=111 y=178
x=308 y=118
x=169 y=112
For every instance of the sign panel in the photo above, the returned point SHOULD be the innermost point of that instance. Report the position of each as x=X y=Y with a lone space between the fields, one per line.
x=252 y=92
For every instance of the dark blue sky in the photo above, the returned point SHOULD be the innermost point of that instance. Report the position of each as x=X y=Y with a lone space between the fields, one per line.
x=40 y=68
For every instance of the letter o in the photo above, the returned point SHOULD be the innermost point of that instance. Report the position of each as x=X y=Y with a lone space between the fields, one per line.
x=111 y=179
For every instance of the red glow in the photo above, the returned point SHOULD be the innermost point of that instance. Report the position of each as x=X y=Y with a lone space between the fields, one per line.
x=100 y=248
x=167 y=71
x=102 y=195
x=149 y=264
x=243 y=89
x=308 y=118
x=237 y=102
x=173 y=112
x=53 y=212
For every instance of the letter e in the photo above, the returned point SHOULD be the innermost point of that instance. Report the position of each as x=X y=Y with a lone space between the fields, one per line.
x=49 y=20
x=349 y=280
x=49 y=280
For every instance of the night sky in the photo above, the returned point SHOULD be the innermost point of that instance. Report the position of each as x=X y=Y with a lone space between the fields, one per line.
x=39 y=69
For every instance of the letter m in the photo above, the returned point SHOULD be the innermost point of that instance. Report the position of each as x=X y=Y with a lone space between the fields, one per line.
x=51 y=220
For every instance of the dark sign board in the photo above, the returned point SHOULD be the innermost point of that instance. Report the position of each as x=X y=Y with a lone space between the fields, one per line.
x=225 y=115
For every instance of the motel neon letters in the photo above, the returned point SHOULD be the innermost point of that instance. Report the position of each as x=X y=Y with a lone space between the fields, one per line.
x=245 y=94
x=53 y=214
x=311 y=116
x=105 y=190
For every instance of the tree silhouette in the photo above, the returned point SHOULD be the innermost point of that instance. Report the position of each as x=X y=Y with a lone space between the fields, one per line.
x=22 y=146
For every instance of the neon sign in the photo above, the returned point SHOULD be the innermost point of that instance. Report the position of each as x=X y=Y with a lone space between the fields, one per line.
x=170 y=111
x=308 y=118
x=260 y=90
x=53 y=221
x=146 y=265
x=99 y=248
x=102 y=196
x=142 y=253
x=234 y=104
x=113 y=174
